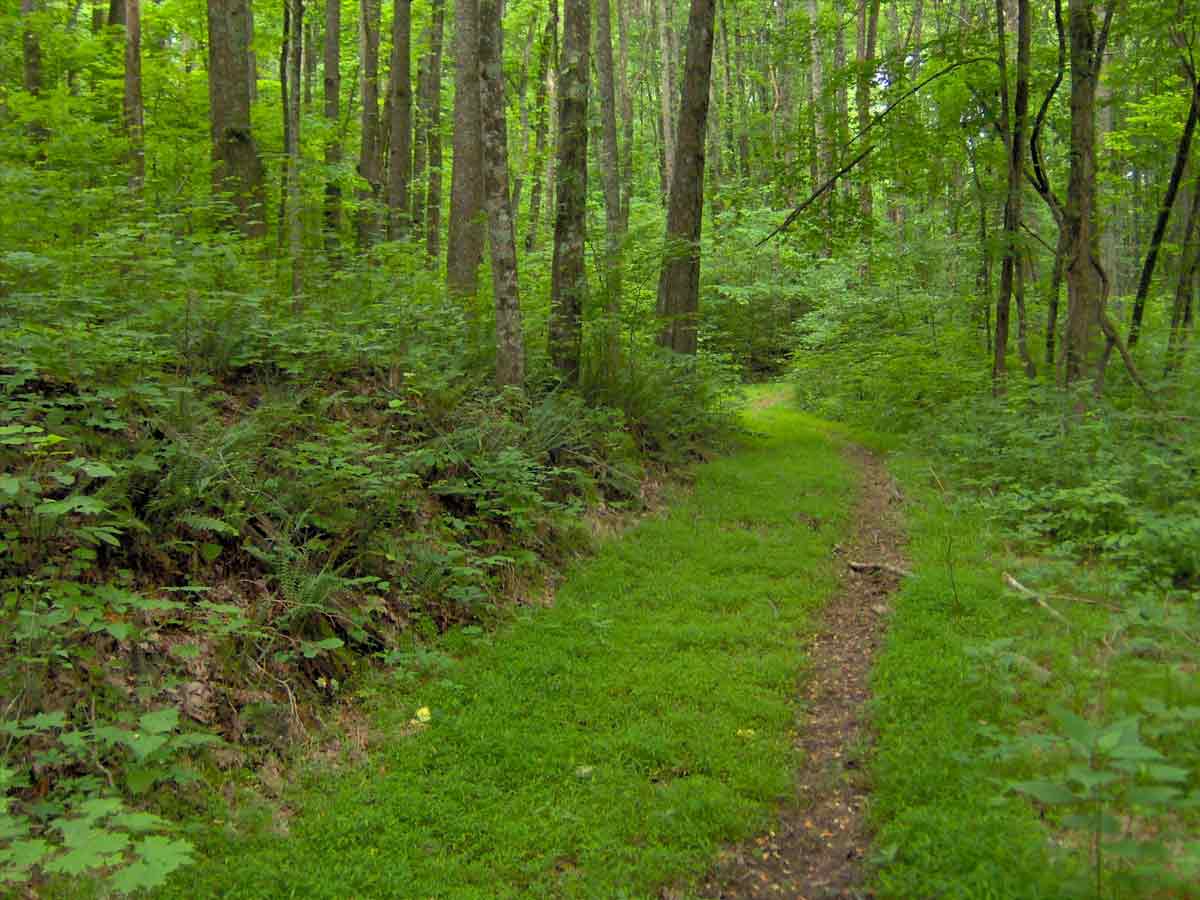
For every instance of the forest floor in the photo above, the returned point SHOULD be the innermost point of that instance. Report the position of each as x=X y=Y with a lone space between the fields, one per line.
x=612 y=744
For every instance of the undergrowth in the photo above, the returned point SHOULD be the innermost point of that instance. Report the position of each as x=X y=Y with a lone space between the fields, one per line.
x=217 y=511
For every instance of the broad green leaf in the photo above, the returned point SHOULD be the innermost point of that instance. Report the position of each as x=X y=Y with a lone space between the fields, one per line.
x=157 y=858
x=1153 y=796
x=1048 y=792
x=10 y=486
x=160 y=721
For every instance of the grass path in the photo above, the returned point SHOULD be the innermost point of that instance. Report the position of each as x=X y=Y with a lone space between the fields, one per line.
x=607 y=746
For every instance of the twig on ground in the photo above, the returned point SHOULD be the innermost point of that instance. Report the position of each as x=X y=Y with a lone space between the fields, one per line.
x=1035 y=597
x=880 y=567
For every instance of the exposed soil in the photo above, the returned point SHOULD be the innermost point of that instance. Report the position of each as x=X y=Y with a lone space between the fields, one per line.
x=818 y=848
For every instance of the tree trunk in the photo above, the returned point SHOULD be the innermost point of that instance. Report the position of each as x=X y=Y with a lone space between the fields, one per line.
x=312 y=38
x=666 y=46
x=433 y=135
x=116 y=12
x=625 y=99
x=1085 y=280
x=464 y=249
x=333 y=149
x=400 y=126
x=541 y=114
x=237 y=169
x=612 y=186
x=1189 y=265
x=290 y=75
x=1052 y=296
x=133 y=109
x=370 y=157
x=510 y=349
x=679 y=281
x=568 y=280
x=1164 y=214
x=868 y=27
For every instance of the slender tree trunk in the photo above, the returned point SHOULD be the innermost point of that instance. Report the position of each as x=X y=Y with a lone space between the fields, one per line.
x=1164 y=214
x=294 y=28
x=312 y=40
x=134 y=110
x=237 y=169
x=464 y=249
x=433 y=135
x=1085 y=280
x=612 y=186
x=400 y=127
x=868 y=26
x=510 y=350
x=333 y=149
x=1053 y=294
x=1189 y=265
x=666 y=45
x=537 y=165
x=568 y=283
x=116 y=12
x=370 y=157
x=420 y=125
x=679 y=280
x=625 y=99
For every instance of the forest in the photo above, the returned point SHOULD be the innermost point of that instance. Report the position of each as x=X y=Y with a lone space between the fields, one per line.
x=599 y=448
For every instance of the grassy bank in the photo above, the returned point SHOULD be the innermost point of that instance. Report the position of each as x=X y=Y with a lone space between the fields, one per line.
x=601 y=747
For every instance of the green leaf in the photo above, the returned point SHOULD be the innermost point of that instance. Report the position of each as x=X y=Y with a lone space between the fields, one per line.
x=143 y=745
x=160 y=721
x=311 y=649
x=209 y=552
x=138 y=822
x=98 y=470
x=1048 y=792
x=157 y=858
x=1077 y=729
x=1153 y=796
x=10 y=486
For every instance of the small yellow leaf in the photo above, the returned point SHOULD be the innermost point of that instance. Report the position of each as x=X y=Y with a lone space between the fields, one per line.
x=424 y=715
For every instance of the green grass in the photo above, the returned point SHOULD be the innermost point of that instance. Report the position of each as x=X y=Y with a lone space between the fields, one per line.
x=605 y=746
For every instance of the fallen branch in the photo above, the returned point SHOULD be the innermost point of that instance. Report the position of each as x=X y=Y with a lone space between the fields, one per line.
x=880 y=567
x=795 y=214
x=1035 y=597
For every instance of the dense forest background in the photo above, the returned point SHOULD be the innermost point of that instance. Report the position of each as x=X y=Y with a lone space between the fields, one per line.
x=325 y=328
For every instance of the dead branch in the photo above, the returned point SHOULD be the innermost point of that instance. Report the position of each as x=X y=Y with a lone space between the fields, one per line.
x=880 y=567
x=1035 y=597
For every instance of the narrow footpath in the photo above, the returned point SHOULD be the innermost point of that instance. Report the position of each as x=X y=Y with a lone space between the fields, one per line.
x=610 y=744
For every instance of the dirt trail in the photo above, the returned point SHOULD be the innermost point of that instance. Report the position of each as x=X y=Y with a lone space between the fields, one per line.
x=817 y=849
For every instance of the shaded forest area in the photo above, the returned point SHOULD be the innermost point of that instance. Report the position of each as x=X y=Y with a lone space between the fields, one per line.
x=327 y=330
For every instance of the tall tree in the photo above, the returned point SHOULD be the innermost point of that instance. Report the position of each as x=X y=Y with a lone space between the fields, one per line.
x=332 y=83
x=237 y=169
x=464 y=247
x=547 y=59
x=290 y=71
x=510 y=348
x=609 y=161
x=625 y=98
x=370 y=157
x=679 y=280
x=133 y=108
x=868 y=28
x=433 y=134
x=400 y=125
x=568 y=279
x=666 y=44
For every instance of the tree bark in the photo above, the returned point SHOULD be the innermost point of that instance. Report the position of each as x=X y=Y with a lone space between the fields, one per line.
x=370 y=157
x=1189 y=265
x=290 y=76
x=433 y=135
x=332 y=82
x=625 y=99
x=666 y=45
x=400 y=126
x=679 y=280
x=464 y=249
x=537 y=166
x=612 y=186
x=133 y=108
x=1085 y=279
x=868 y=27
x=1182 y=153
x=237 y=169
x=510 y=350
x=568 y=281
